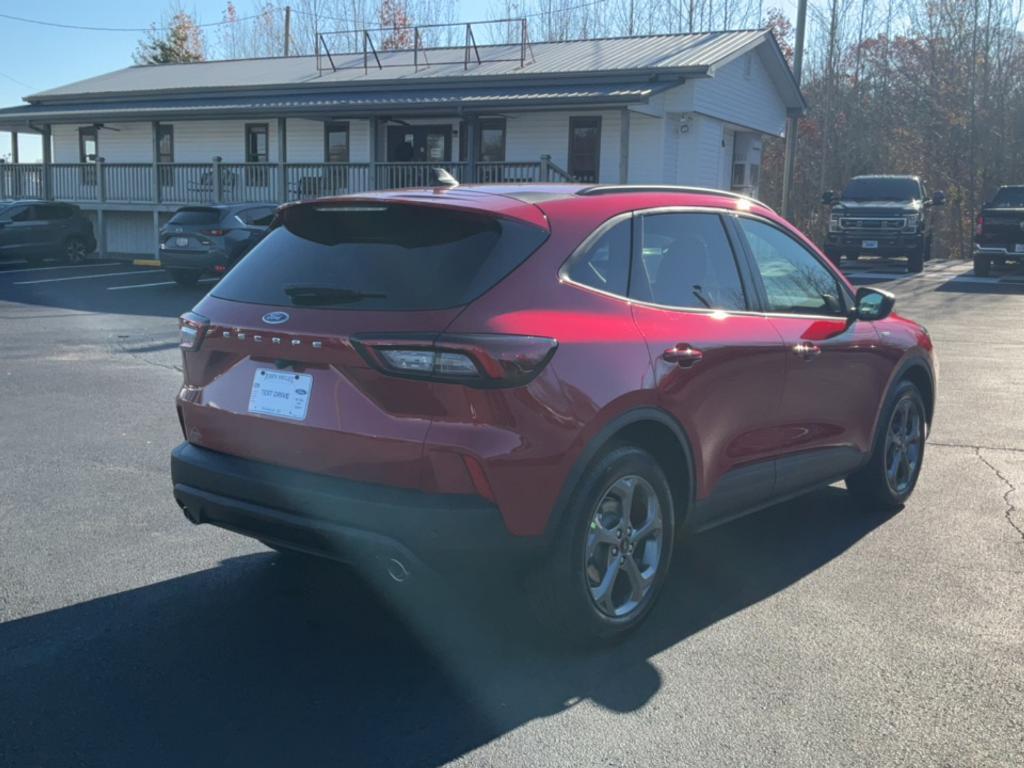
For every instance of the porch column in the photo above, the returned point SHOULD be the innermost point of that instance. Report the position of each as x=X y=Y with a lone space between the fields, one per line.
x=47 y=190
x=14 y=147
x=472 y=124
x=282 y=158
x=624 y=148
x=155 y=188
x=372 y=181
x=16 y=173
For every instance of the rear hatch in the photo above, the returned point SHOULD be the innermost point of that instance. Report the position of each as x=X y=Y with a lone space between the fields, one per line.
x=310 y=353
x=193 y=228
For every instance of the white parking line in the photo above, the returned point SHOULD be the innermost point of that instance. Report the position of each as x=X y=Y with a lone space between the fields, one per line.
x=153 y=285
x=89 y=277
x=66 y=266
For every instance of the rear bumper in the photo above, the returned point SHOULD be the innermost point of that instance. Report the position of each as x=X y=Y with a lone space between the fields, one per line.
x=888 y=244
x=201 y=260
x=998 y=251
x=344 y=520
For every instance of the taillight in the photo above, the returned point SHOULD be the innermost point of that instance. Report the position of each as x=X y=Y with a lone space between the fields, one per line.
x=213 y=232
x=476 y=360
x=192 y=328
x=979 y=225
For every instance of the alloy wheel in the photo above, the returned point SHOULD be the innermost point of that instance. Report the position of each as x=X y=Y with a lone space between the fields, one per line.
x=903 y=442
x=624 y=547
x=74 y=250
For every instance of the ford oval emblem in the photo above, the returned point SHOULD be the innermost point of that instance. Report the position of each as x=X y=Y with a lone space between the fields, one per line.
x=276 y=318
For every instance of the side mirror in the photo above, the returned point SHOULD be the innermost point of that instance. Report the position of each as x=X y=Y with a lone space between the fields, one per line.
x=873 y=304
x=828 y=198
x=939 y=198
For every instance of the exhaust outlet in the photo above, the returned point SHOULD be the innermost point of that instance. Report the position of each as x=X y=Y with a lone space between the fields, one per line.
x=397 y=570
x=193 y=516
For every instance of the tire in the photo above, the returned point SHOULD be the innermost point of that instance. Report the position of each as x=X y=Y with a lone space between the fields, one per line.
x=915 y=261
x=982 y=266
x=566 y=591
x=75 y=250
x=901 y=435
x=186 y=278
x=928 y=249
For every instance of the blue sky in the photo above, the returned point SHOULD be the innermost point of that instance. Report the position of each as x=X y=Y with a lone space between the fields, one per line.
x=34 y=58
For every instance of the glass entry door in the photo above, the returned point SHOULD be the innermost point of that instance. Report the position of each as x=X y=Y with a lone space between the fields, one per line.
x=419 y=143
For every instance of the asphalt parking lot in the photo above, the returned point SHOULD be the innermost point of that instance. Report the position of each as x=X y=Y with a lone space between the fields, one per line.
x=815 y=633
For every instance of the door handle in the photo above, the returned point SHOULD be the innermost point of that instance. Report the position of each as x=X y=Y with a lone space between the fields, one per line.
x=807 y=350
x=683 y=355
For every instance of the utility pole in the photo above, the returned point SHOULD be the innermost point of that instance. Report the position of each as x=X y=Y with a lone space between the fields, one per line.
x=287 y=28
x=793 y=124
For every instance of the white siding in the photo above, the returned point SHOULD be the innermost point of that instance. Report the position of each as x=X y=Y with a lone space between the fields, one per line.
x=306 y=141
x=751 y=101
x=647 y=164
x=129 y=143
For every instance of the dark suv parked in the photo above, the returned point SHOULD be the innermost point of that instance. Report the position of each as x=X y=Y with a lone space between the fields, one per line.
x=883 y=216
x=35 y=229
x=554 y=377
x=999 y=230
x=201 y=239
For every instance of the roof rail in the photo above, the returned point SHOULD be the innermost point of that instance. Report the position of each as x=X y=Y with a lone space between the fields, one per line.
x=615 y=189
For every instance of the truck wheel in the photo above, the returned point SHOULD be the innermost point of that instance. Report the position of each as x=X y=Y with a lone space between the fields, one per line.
x=928 y=249
x=982 y=265
x=612 y=553
x=915 y=261
x=186 y=278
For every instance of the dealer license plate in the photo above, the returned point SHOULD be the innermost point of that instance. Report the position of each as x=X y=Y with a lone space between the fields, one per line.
x=869 y=244
x=280 y=393
x=1018 y=247
x=181 y=242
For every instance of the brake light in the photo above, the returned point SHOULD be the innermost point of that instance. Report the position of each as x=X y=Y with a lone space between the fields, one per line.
x=213 y=232
x=979 y=225
x=193 y=329
x=476 y=360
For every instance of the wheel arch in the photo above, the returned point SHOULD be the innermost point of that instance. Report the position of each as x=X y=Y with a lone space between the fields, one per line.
x=652 y=429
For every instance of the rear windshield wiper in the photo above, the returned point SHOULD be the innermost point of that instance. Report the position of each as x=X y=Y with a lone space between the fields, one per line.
x=325 y=295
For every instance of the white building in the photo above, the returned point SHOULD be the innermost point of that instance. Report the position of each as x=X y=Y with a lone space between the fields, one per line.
x=135 y=144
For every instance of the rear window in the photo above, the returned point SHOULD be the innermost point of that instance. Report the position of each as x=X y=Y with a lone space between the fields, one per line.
x=196 y=216
x=1009 y=197
x=379 y=257
x=871 y=188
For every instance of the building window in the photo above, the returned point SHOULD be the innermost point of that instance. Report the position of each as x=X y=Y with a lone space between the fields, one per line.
x=165 y=154
x=257 y=150
x=492 y=140
x=88 y=150
x=336 y=142
x=584 y=148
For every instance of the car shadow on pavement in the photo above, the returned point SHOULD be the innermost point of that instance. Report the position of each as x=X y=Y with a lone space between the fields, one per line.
x=265 y=660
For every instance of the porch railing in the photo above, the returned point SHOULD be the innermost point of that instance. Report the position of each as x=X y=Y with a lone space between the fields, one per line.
x=183 y=183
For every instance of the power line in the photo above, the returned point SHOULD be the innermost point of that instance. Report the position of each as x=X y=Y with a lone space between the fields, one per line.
x=16 y=80
x=118 y=29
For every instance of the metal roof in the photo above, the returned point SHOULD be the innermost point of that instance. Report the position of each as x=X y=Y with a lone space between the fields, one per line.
x=360 y=102
x=681 y=53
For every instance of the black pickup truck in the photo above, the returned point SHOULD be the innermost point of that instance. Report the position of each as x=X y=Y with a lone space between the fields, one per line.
x=884 y=216
x=999 y=230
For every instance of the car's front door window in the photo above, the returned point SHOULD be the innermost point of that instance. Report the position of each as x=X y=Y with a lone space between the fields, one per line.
x=795 y=281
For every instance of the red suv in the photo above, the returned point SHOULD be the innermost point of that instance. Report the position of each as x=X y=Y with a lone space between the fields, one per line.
x=555 y=378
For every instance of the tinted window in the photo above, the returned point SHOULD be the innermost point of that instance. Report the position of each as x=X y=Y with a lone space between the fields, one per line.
x=686 y=261
x=1009 y=197
x=882 y=188
x=379 y=257
x=52 y=212
x=196 y=215
x=794 y=280
x=15 y=213
x=28 y=213
x=605 y=263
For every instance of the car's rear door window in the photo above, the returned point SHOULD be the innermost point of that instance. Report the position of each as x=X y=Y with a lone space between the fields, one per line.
x=686 y=261
x=795 y=281
x=379 y=256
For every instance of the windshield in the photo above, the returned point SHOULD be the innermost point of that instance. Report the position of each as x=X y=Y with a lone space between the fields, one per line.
x=379 y=256
x=1009 y=197
x=196 y=215
x=882 y=188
